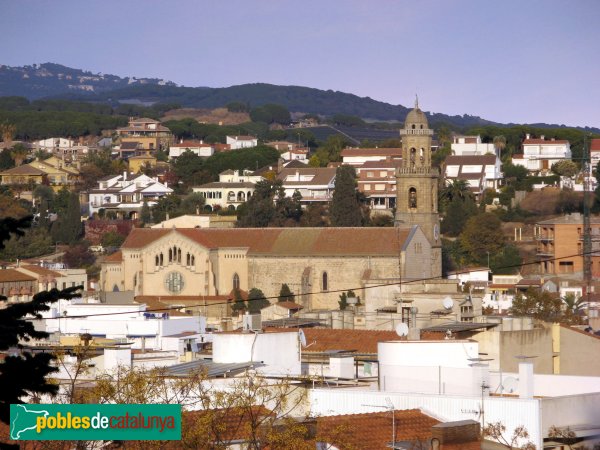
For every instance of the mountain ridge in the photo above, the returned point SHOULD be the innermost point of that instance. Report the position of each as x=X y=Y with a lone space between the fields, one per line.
x=50 y=80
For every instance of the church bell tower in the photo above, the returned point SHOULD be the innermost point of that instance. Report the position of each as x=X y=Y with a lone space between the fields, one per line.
x=417 y=183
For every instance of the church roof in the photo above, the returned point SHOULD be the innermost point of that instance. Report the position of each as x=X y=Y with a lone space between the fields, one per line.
x=286 y=241
x=416 y=116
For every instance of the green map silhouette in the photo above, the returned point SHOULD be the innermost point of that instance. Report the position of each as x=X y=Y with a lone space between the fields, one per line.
x=24 y=419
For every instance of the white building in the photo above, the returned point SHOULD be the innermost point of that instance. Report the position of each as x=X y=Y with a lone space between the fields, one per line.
x=127 y=322
x=238 y=142
x=470 y=146
x=450 y=381
x=125 y=194
x=315 y=184
x=480 y=171
x=478 y=276
x=540 y=154
x=232 y=189
x=359 y=156
x=595 y=153
x=199 y=148
x=54 y=143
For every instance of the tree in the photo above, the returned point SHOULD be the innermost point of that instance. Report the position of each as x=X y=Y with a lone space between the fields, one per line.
x=239 y=304
x=285 y=294
x=145 y=213
x=457 y=212
x=6 y=161
x=565 y=168
x=497 y=432
x=35 y=242
x=331 y=150
x=482 y=234
x=112 y=239
x=541 y=305
x=189 y=168
x=257 y=301
x=271 y=113
x=456 y=189
x=507 y=261
x=23 y=373
x=574 y=308
x=500 y=144
x=79 y=256
x=169 y=204
x=67 y=229
x=7 y=132
x=344 y=299
x=345 y=208
x=19 y=153
x=192 y=203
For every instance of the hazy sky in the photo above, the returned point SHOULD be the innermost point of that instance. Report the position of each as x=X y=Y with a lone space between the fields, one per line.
x=508 y=61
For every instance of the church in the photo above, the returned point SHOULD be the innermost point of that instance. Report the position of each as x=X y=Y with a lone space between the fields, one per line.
x=316 y=263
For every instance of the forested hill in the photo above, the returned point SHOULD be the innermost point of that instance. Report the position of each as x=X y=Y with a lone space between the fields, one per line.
x=48 y=79
x=56 y=81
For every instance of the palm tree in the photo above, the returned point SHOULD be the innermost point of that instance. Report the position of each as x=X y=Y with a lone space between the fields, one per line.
x=456 y=189
x=573 y=305
x=19 y=153
x=500 y=143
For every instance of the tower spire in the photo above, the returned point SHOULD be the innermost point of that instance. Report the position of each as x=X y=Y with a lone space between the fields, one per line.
x=416 y=101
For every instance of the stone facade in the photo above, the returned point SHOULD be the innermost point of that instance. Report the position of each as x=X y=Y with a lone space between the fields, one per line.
x=210 y=262
x=417 y=184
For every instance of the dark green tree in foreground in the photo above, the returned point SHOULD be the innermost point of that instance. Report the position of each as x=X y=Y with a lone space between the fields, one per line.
x=285 y=294
x=257 y=301
x=23 y=373
x=239 y=305
x=345 y=208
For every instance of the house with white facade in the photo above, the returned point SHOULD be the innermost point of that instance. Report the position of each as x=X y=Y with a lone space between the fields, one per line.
x=479 y=171
x=198 y=148
x=540 y=154
x=233 y=188
x=358 y=156
x=315 y=184
x=470 y=146
x=595 y=153
x=377 y=180
x=54 y=143
x=238 y=142
x=125 y=194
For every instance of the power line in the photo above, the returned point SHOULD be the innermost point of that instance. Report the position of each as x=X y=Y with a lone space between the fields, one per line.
x=398 y=283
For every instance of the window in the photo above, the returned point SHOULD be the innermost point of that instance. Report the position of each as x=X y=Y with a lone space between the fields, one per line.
x=370 y=174
x=236 y=281
x=383 y=174
x=565 y=266
x=412 y=198
x=325 y=281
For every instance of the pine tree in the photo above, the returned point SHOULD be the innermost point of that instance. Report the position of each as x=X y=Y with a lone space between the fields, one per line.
x=24 y=373
x=285 y=294
x=68 y=229
x=239 y=304
x=145 y=213
x=257 y=301
x=345 y=208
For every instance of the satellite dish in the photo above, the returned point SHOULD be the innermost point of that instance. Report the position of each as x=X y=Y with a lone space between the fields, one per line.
x=510 y=385
x=448 y=303
x=302 y=337
x=402 y=329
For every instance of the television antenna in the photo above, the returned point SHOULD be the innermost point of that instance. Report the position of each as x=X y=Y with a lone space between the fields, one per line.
x=448 y=303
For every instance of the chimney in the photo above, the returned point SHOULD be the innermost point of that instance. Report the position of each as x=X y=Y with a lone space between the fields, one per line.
x=527 y=136
x=124 y=175
x=525 y=380
x=542 y=137
x=457 y=432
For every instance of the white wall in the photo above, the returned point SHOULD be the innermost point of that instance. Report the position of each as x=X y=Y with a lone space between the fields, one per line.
x=280 y=352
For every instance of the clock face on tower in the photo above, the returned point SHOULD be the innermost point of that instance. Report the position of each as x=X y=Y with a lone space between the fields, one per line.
x=174 y=282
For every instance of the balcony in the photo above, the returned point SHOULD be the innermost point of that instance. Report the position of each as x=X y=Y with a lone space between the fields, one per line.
x=544 y=237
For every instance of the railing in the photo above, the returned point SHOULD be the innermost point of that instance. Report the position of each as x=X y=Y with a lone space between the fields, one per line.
x=418 y=170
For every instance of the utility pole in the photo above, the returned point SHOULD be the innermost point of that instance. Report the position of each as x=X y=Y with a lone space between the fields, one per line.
x=587 y=231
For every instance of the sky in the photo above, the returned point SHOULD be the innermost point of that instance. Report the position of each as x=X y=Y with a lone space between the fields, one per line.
x=520 y=61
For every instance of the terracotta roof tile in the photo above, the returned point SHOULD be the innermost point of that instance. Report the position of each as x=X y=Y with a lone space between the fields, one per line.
x=8 y=275
x=595 y=145
x=374 y=431
x=116 y=257
x=462 y=160
x=289 y=305
x=372 y=152
x=41 y=270
x=285 y=241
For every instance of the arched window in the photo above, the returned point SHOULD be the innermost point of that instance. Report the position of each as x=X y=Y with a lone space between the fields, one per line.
x=170 y=255
x=413 y=156
x=161 y=259
x=135 y=280
x=413 y=126
x=412 y=198
x=179 y=255
x=193 y=260
x=156 y=261
x=325 y=281
x=236 y=281
x=187 y=259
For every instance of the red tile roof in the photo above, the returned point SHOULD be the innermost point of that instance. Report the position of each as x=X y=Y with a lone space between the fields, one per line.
x=595 y=145
x=289 y=305
x=116 y=257
x=284 y=241
x=9 y=275
x=39 y=270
